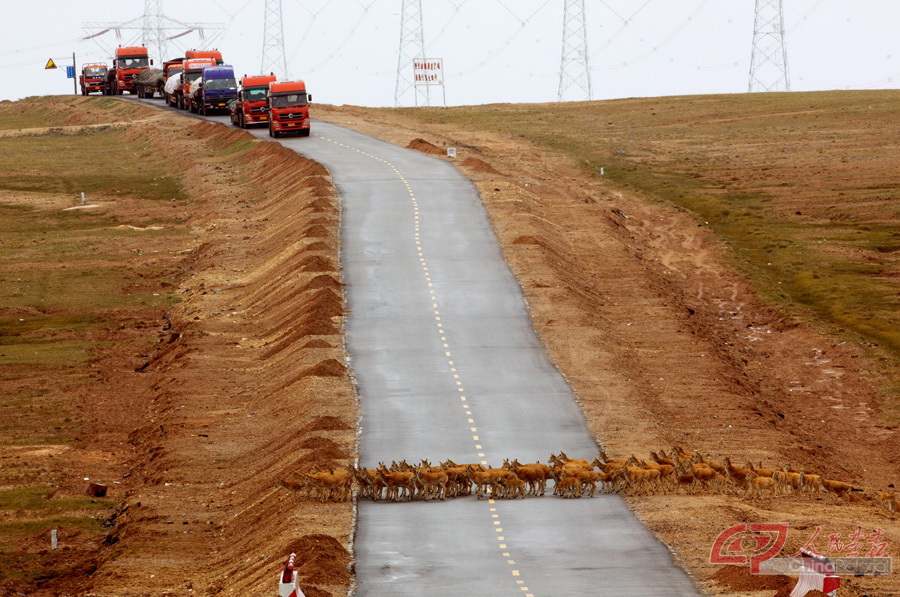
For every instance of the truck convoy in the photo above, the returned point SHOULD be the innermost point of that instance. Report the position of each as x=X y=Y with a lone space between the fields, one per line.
x=250 y=106
x=201 y=82
x=214 y=90
x=127 y=64
x=93 y=77
x=288 y=106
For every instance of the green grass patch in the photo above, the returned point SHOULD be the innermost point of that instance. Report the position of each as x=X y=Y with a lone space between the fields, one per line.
x=37 y=498
x=95 y=162
x=238 y=146
x=742 y=163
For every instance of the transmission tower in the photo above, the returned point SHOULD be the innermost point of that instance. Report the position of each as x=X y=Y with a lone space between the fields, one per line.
x=156 y=29
x=412 y=46
x=273 y=56
x=154 y=35
x=768 y=63
x=574 y=72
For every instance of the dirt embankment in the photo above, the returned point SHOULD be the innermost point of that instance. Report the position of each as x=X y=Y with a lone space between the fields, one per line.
x=666 y=344
x=238 y=386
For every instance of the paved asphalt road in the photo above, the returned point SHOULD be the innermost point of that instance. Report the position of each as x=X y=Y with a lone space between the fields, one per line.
x=448 y=366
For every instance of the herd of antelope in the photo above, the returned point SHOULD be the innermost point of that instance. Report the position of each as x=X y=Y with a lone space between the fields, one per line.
x=676 y=472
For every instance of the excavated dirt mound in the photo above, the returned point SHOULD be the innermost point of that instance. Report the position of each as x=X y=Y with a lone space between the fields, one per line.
x=479 y=166
x=425 y=147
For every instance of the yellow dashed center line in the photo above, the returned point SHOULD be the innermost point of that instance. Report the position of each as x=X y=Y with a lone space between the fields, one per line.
x=446 y=344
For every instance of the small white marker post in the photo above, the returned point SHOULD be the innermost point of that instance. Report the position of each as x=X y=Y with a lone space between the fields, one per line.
x=451 y=152
x=602 y=173
x=54 y=539
x=82 y=197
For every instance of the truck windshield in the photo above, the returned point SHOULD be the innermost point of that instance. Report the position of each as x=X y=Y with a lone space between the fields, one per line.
x=134 y=62
x=95 y=72
x=220 y=84
x=253 y=94
x=289 y=100
x=191 y=78
x=175 y=70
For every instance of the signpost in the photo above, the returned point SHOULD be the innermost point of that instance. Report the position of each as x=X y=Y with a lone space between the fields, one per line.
x=429 y=71
x=70 y=71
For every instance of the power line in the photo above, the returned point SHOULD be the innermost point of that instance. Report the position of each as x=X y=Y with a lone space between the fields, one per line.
x=154 y=27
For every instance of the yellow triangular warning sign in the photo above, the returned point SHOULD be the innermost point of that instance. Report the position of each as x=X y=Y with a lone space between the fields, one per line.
x=50 y=64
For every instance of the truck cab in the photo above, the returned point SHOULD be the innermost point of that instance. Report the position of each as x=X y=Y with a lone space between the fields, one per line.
x=288 y=106
x=250 y=106
x=214 y=90
x=93 y=77
x=126 y=65
x=214 y=55
x=192 y=71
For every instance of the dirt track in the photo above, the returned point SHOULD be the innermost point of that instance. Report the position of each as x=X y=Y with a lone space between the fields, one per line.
x=663 y=343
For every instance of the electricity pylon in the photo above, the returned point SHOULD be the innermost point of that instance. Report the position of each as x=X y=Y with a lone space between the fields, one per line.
x=274 y=59
x=768 y=62
x=574 y=71
x=154 y=27
x=412 y=47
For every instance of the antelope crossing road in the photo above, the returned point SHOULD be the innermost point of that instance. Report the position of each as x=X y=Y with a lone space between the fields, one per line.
x=448 y=366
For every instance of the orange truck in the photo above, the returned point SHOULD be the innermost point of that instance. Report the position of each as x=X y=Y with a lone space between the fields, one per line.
x=250 y=106
x=192 y=71
x=288 y=106
x=212 y=54
x=93 y=77
x=127 y=64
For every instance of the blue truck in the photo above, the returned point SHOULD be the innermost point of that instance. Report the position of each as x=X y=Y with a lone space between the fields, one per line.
x=216 y=87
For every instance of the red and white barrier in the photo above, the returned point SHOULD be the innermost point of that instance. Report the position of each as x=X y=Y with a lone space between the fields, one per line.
x=817 y=575
x=287 y=580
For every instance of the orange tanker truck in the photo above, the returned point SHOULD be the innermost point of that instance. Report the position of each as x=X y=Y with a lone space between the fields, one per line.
x=93 y=77
x=250 y=106
x=127 y=64
x=288 y=106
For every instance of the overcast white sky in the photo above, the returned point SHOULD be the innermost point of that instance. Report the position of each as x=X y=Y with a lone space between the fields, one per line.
x=493 y=50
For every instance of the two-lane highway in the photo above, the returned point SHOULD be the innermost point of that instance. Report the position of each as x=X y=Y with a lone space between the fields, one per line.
x=448 y=366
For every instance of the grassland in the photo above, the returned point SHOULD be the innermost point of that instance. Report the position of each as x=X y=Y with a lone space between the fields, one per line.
x=66 y=279
x=802 y=186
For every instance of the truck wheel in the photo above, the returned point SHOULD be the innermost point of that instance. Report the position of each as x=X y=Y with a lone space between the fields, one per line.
x=304 y=132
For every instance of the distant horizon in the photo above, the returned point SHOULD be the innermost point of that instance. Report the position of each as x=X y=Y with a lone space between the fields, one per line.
x=494 y=52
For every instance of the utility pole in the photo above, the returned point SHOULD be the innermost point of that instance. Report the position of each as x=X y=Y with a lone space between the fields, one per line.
x=768 y=62
x=273 y=56
x=574 y=71
x=412 y=47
